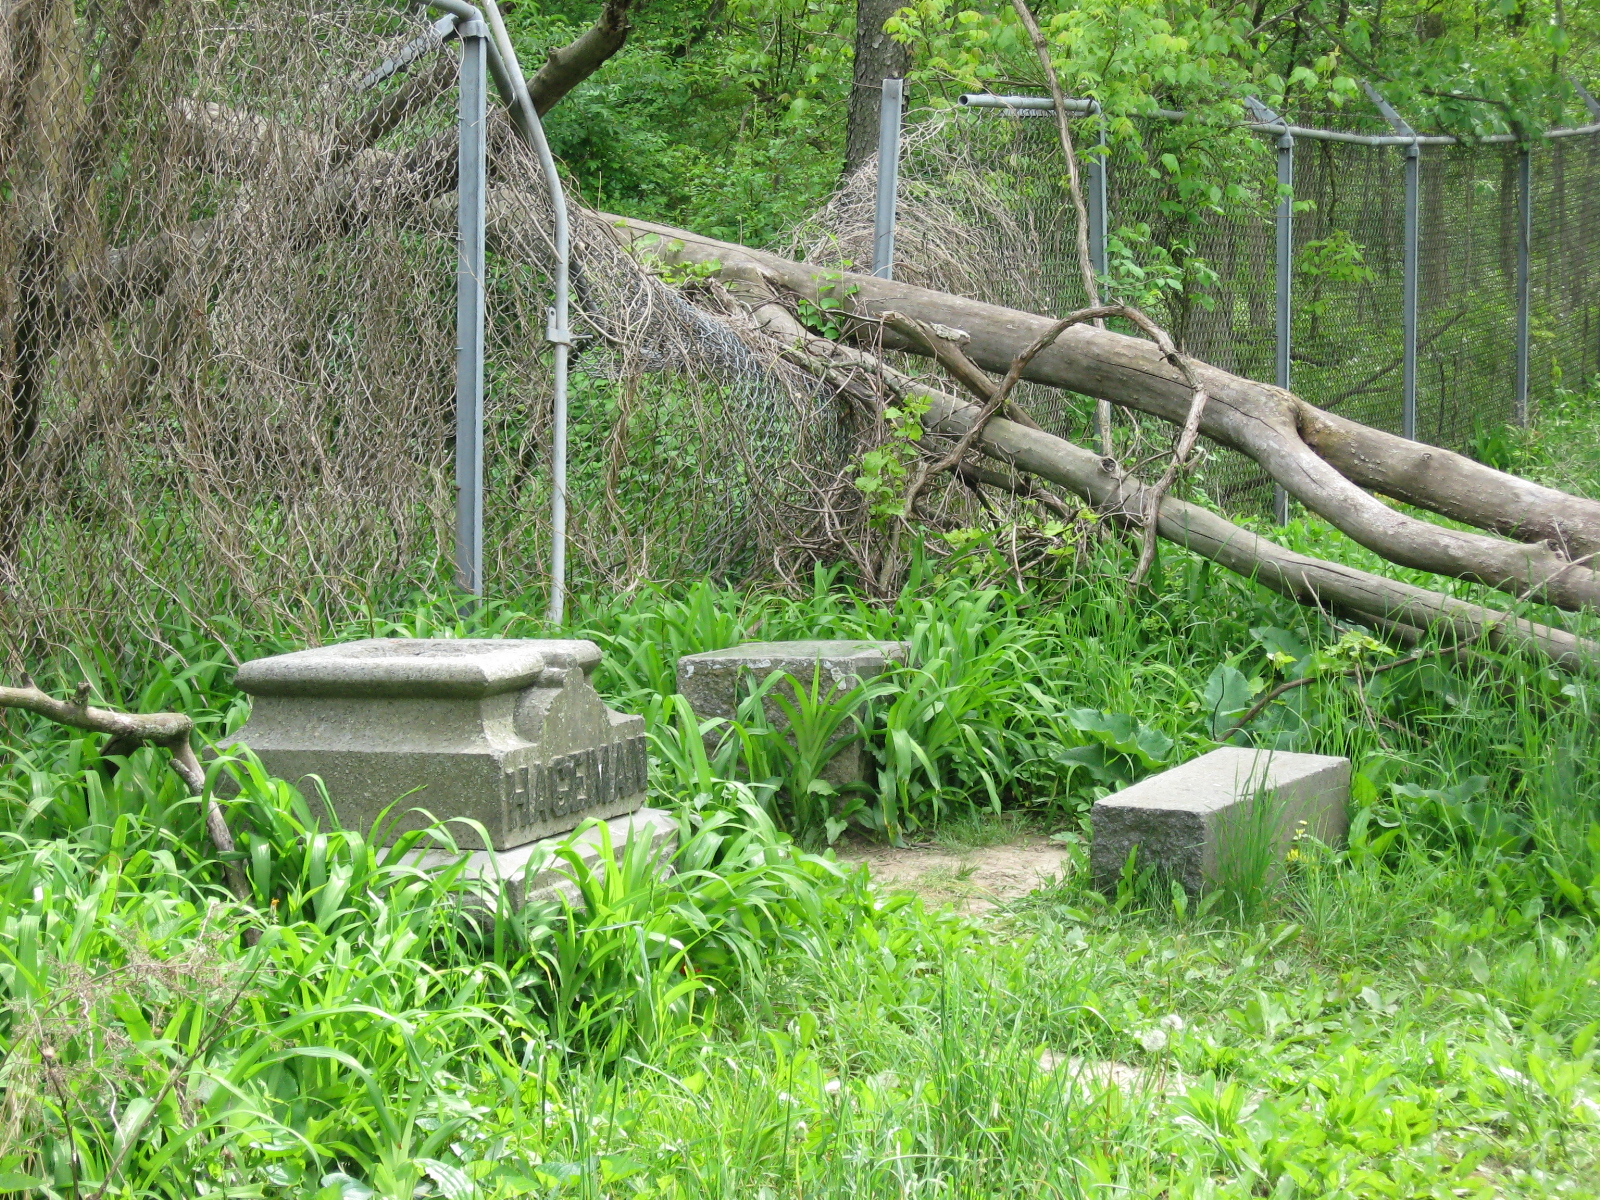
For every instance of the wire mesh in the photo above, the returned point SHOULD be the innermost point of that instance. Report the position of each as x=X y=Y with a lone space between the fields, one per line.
x=1566 y=264
x=227 y=346
x=984 y=197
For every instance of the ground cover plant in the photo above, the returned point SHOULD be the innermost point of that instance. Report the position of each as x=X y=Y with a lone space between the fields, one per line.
x=1412 y=1015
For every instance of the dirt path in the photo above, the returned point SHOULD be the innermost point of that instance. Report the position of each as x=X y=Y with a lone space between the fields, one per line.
x=972 y=880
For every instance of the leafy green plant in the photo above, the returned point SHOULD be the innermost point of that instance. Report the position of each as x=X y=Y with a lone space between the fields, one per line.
x=811 y=733
x=1159 y=278
x=1338 y=260
x=886 y=470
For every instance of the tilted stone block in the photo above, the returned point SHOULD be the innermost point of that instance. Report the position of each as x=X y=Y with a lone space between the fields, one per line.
x=535 y=873
x=1225 y=813
x=716 y=681
x=509 y=733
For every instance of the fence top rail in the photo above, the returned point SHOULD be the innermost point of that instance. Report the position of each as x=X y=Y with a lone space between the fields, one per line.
x=1030 y=105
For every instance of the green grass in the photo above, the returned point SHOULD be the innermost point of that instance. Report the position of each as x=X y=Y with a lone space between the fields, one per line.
x=1414 y=1015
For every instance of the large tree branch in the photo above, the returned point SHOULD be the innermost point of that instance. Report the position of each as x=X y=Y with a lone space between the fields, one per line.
x=1122 y=498
x=567 y=67
x=1322 y=459
x=1262 y=421
x=171 y=731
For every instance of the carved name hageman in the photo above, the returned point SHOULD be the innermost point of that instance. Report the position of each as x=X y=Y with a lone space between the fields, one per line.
x=585 y=779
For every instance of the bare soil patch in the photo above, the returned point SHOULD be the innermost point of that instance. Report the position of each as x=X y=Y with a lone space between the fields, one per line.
x=972 y=880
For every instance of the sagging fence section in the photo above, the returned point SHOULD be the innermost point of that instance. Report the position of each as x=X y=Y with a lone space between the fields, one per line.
x=230 y=388
x=1421 y=284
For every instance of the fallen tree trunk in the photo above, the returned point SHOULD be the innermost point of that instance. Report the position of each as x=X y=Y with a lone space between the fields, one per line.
x=1118 y=496
x=1558 y=533
x=1309 y=451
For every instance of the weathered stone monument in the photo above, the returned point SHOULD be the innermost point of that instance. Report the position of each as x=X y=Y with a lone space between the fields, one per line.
x=509 y=734
x=1215 y=815
x=715 y=681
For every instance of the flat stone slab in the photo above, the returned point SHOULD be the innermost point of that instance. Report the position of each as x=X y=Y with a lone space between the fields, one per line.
x=507 y=733
x=717 y=680
x=534 y=874
x=1232 y=811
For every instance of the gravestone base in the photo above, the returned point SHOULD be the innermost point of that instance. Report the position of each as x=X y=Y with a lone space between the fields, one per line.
x=1222 y=815
x=532 y=874
x=716 y=681
x=507 y=739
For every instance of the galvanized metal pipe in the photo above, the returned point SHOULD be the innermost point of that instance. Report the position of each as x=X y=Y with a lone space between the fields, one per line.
x=1285 y=283
x=891 y=105
x=1410 y=259
x=1098 y=204
x=1039 y=105
x=525 y=118
x=1284 y=266
x=1524 y=278
x=1408 y=412
x=472 y=190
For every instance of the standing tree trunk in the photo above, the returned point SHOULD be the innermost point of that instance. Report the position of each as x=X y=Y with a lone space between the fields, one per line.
x=878 y=57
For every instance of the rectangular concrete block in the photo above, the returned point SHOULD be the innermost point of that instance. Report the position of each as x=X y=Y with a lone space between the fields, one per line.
x=1220 y=815
x=509 y=733
x=715 y=681
x=534 y=873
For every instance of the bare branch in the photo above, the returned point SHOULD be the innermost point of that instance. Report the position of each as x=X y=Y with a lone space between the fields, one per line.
x=566 y=68
x=171 y=731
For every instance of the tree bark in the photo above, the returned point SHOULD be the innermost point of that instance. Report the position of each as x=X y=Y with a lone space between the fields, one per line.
x=878 y=57
x=170 y=731
x=567 y=67
x=1119 y=497
x=1559 y=532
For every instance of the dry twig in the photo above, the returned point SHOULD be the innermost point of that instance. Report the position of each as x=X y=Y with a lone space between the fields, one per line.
x=1091 y=286
x=170 y=731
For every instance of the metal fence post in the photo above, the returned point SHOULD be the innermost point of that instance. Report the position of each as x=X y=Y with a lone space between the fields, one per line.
x=1408 y=412
x=1099 y=204
x=889 y=109
x=1285 y=284
x=1413 y=183
x=1524 y=274
x=1284 y=263
x=472 y=165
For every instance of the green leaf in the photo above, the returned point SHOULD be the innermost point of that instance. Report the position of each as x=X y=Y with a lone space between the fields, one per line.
x=454 y=1183
x=1226 y=696
x=349 y=1188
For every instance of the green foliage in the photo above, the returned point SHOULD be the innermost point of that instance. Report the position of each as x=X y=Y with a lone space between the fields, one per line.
x=725 y=118
x=886 y=470
x=389 y=1033
x=1337 y=259
x=382 y=1006
x=1151 y=276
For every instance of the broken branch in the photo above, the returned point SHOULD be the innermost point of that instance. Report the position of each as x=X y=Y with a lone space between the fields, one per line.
x=170 y=731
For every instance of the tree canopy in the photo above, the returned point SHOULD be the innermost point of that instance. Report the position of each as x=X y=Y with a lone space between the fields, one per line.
x=731 y=117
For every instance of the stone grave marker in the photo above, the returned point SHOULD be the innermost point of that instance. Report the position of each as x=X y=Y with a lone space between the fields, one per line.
x=1219 y=813
x=715 y=681
x=509 y=733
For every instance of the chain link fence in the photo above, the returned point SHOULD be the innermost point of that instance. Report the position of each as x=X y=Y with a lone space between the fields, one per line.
x=984 y=210
x=228 y=347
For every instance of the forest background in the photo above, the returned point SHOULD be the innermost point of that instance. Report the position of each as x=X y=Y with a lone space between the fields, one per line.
x=735 y=118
